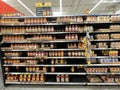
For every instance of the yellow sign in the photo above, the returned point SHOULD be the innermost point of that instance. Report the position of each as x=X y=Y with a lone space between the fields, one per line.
x=38 y=5
x=48 y=4
x=89 y=62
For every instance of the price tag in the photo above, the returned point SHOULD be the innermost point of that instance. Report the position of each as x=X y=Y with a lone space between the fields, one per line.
x=89 y=63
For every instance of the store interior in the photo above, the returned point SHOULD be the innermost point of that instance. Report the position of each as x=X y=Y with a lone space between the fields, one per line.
x=59 y=44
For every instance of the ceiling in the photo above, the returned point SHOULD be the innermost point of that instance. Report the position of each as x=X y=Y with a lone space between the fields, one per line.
x=69 y=6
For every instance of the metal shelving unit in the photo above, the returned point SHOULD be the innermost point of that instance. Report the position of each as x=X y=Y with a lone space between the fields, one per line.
x=51 y=33
x=42 y=49
x=55 y=41
x=74 y=71
x=103 y=84
x=43 y=65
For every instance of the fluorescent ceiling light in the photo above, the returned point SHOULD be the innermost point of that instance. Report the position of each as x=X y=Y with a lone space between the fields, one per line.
x=117 y=12
x=26 y=7
x=111 y=1
x=96 y=5
x=5 y=0
x=60 y=5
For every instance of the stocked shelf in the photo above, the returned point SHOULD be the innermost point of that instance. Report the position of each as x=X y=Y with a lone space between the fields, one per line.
x=42 y=33
x=104 y=65
x=56 y=41
x=48 y=83
x=103 y=84
x=105 y=49
x=24 y=83
x=42 y=49
x=44 y=57
x=106 y=40
x=106 y=57
x=55 y=83
x=66 y=65
x=62 y=50
x=103 y=73
x=69 y=83
x=61 y=23
x=49 y=73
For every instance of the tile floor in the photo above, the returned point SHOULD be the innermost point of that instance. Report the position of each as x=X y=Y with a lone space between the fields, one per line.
x=34 y=87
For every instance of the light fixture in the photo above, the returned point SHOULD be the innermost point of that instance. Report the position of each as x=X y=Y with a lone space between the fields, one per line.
x=60 y=5
x=4 y=0
x=26 y=7
x=96 y=5
x=60 y=11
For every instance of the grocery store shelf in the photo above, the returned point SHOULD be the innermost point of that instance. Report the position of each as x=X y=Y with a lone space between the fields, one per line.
x=45 y=24
x=103 y=84
x=103 y=73
x=103 y=65
x=67 y=57
x=50 y=73
x=105 y=40
x=69 y=73
x=41 y=33
x=55 y=41
x=105 y=49
x=62 y=65
x=95 y=32
x=56 y=24
x=65 y=65
x=48 y=83
x=41 y=83
x=61 y=23
x=17 y=73
x=44 y=57
x=20 y=58
x=60 y=16
x=47 y=73
x=23 y=24
x=106 y=57
x=80 y=64
x=64 y=83
x=41 y=49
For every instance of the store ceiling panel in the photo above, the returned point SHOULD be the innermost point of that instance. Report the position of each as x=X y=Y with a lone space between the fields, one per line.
x=69 y=6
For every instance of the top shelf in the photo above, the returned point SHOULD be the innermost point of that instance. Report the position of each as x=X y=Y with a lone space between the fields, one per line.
x=64 y=15
x=61 y=20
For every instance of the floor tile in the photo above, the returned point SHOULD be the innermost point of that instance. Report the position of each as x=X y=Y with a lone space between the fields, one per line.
x=34 y=87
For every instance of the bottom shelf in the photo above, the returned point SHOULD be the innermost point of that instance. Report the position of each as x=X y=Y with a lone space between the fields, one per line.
x=72 y=78
x=62 y=83
x=48 y=83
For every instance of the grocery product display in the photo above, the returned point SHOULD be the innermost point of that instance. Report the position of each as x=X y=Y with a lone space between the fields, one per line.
x=64 y=50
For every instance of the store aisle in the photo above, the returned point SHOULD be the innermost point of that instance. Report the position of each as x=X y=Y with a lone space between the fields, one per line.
x=62 y=88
